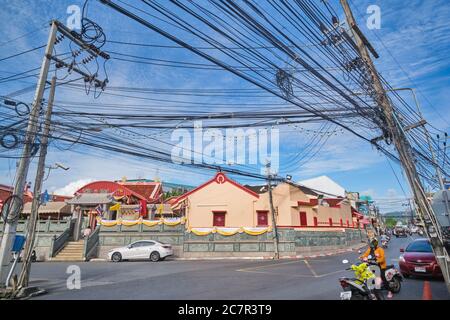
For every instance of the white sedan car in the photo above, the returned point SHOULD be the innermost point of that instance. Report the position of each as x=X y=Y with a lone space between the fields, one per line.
x=142 y=249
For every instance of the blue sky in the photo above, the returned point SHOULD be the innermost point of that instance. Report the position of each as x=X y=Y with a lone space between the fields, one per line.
x=413 y=44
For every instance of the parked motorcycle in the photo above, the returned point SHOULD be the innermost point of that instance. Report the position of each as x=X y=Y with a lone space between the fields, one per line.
x=365 y=285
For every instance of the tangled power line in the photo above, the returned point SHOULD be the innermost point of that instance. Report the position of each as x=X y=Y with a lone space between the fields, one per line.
x=301 y=62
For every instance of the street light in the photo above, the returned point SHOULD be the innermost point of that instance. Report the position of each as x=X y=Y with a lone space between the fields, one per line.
x=57 y=165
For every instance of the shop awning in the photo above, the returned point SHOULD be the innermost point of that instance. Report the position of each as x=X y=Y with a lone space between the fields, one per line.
x=49 y=208
x=365 y=221
x=357 y=215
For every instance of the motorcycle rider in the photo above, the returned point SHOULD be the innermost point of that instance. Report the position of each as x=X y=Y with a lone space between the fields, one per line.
x=384 y=237
x=375 y=251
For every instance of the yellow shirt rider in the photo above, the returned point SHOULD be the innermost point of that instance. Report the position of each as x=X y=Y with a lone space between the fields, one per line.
x=376 y=252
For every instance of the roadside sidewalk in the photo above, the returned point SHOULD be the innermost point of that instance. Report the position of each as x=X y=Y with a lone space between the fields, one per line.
x=301 y=256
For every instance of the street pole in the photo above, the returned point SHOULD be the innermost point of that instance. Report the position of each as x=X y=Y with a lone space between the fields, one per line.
x=397 y=133
x=25 y=273
x=272 y=210
x=427 y=135
x=24 y=164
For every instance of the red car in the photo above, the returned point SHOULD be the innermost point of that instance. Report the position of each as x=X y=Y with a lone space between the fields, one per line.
x=419 y=259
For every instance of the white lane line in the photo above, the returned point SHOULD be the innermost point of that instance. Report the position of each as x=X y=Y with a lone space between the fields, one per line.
x=330 y=273
x=310 y=268
x=269 y=265
x=279 y=274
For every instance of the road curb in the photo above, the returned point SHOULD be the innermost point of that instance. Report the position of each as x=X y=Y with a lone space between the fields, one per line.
x=222 y=258
x=326 y=254
x=301 y=256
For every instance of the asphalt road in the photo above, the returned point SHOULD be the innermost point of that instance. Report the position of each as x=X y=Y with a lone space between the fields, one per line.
x=310 y=279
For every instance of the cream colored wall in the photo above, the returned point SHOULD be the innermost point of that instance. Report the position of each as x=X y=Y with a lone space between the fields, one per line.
x=285 y=200
x=238 y=204
x=242 y=207
x=286 y=197
x=344 y=213
x=310 y=214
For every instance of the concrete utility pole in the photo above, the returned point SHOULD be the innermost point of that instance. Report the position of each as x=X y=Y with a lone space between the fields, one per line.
x=22 y=171
x=397 y=133
x=25 y=273
x=427 y=134
x=272 y=210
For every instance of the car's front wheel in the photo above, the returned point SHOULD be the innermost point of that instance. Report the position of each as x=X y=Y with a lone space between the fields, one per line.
x=154 y=256
x=116 y=257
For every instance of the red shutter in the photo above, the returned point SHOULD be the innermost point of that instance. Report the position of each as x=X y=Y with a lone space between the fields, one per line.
x=303 y=220
x=262 y=218
x=316 y=223
x=330 y=221
x=219 y=219
x=342 y=223
x=348 y=224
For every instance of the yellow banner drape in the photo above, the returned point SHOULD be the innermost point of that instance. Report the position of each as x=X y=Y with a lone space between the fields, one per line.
x=115 y=207
x=224 y=231
x=148 y=223
x=130 y=223
x=108 y=223
x=171 y=223
x=151 y=223
x=256 y=231
x=201 y=231
x=229 y=231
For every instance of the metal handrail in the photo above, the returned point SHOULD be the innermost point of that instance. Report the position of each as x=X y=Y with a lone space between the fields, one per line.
x=58 y=242
x=91 y=243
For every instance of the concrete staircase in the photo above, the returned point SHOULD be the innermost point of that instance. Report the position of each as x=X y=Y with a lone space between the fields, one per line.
x=73 y=251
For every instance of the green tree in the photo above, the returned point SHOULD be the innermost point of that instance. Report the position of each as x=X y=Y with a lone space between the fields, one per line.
x=390 y=222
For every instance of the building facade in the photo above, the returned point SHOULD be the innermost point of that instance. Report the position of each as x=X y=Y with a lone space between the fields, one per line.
x=222 y=202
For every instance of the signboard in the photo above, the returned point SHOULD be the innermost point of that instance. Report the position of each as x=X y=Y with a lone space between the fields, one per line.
x=18 y=244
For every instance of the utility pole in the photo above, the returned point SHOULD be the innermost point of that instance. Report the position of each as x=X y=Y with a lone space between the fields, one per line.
x=24 y=164
x=25 y=273
x=397 y=134
x=272 y=210
x=14 y=208
x=427 y=135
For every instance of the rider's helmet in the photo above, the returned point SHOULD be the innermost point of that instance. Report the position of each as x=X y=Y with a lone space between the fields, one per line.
x=374 y=243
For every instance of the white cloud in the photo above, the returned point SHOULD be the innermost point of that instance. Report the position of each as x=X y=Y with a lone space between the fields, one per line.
x=392 y=193
x=72 y=187
x=369 y=192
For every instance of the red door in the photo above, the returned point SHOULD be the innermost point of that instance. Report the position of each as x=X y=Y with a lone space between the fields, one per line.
x=219 y=219
x=262 y=219
x=331 y=222
x=316 y=223
x=303 y=220
x=342 y=223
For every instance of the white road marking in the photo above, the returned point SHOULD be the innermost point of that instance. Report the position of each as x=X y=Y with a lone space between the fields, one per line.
x=310 y=268
x=269 y=265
